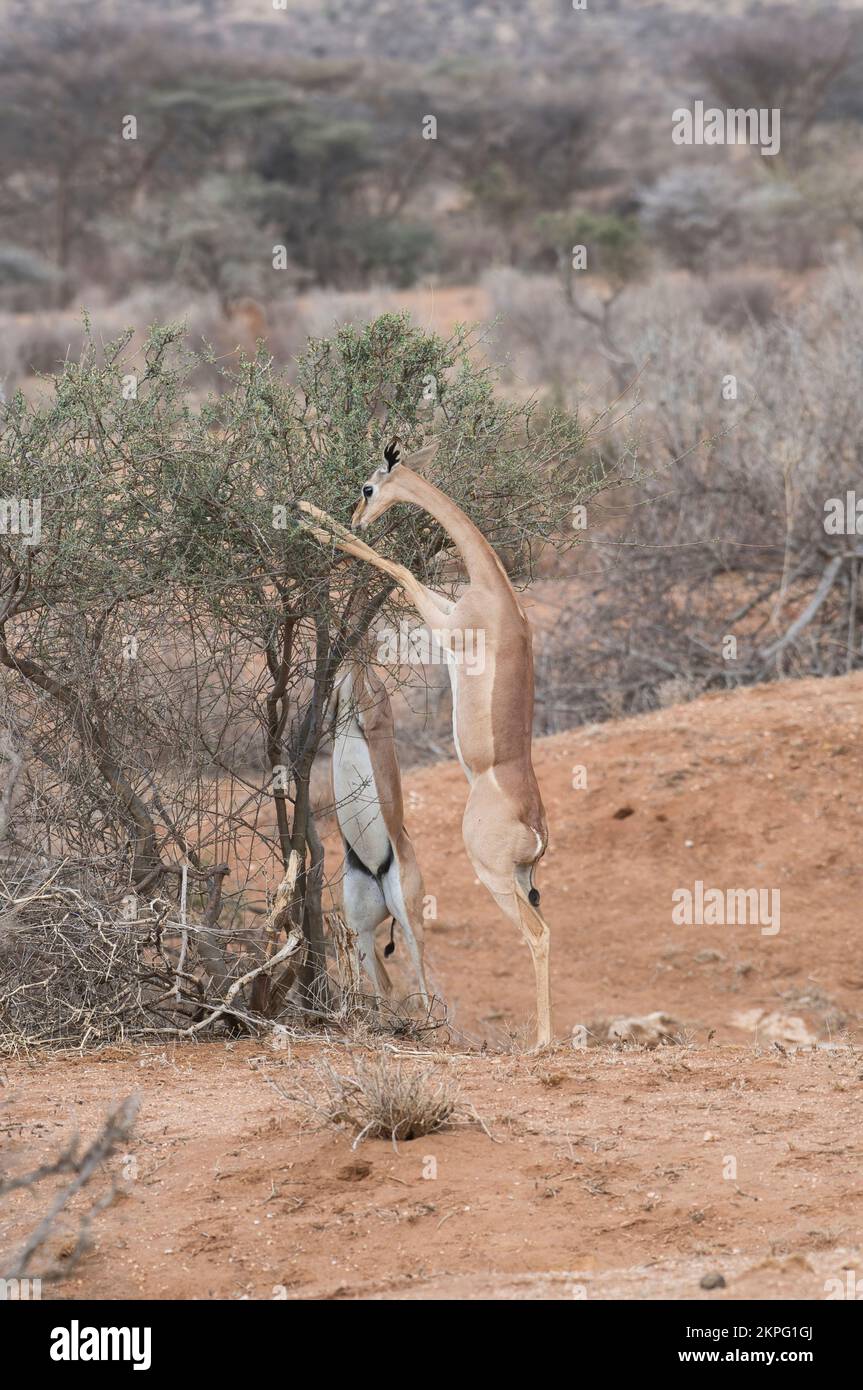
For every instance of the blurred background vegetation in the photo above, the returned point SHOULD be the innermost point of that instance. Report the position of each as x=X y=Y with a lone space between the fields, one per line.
x=302 y=128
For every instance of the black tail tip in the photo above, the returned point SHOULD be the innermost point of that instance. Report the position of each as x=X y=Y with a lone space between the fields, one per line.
x=533 y=897
x=389 y=948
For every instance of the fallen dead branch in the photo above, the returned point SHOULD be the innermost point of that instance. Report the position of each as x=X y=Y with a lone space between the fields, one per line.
x=115 y=1131
x=293 y=947
x=76 y=973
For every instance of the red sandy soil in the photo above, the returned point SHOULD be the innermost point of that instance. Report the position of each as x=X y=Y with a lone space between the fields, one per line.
x=598 y=1173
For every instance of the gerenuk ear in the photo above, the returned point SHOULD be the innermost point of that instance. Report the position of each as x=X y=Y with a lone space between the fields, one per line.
x=422 y=457
x=392 y=455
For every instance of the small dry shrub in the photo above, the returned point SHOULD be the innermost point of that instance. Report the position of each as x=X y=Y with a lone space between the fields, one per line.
x=383 y=1099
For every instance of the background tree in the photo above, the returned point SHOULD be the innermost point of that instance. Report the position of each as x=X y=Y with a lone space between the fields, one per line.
x=84 y=70
x=778 y=60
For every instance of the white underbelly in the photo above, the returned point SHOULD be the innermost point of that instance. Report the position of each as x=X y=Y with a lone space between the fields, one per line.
x=358 y=808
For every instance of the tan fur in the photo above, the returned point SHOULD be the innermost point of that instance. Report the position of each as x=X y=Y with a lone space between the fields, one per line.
x=504 y=826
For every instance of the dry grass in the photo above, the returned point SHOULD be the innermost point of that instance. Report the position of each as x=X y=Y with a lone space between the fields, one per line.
x=382 y=1098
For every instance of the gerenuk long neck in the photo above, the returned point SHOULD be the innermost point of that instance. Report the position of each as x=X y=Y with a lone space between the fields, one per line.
x=482 y=564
